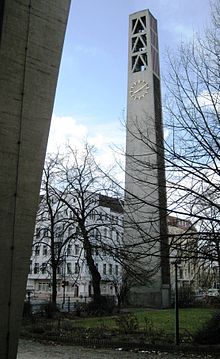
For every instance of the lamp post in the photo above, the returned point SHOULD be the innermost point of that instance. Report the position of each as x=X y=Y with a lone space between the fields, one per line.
x=64 y=282
x=177 y=339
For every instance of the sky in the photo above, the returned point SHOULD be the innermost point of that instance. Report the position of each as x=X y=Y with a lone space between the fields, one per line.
x=91 y=92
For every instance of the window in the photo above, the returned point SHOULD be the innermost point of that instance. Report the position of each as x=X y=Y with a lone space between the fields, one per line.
x=58 y=270
x=45 y=233
x=180 y=273
x=44 y=287
x=57 y=246
x=45 y=250
x=76 y=249
x=37 y=250
x=36 y=268
x=104 y=268
x=97 y=234
x=110 y=269
x=69 y=268
x=76 y=291
x=69 y=249
x=116 y=269
x=30 y=268
x=43 y=268
x=37 y=232
x=76 y=268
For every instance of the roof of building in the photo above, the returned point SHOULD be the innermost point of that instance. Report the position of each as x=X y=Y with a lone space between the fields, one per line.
x=179 y=222
x=115 y=204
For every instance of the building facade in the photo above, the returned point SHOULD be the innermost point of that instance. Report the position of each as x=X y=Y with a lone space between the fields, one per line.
x=74 y=281
x=183 y=243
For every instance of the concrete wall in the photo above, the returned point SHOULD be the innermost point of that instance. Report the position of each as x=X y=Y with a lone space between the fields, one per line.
x=32 y=34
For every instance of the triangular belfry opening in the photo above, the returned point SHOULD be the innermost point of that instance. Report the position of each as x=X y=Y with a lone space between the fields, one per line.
x=139 y=62
x=139 y=44
x=139 y=25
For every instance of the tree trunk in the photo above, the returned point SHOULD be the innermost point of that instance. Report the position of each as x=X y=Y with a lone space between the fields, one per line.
x=54 y=285
x=96 y=278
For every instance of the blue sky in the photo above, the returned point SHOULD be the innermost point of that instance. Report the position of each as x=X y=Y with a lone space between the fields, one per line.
x=92 y=86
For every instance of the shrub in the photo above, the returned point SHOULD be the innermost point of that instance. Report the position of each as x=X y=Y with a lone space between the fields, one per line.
x=27 y=309
x=81 y=308
x=210 y=331
x=148 y=326
x=50 y=310
x=153 y=334
x=127 y=323
x=213 y=302
x=186 y=297
x=106 y=305
x=41 y=328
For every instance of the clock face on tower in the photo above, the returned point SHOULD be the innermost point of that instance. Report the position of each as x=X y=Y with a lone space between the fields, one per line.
x=139 y=89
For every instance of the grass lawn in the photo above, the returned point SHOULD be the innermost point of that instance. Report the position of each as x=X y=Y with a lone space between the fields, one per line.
x=190 y=319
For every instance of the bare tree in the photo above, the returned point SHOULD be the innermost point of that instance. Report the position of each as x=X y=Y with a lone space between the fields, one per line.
x=80 y=188
x=193 y=142
x=52 y=225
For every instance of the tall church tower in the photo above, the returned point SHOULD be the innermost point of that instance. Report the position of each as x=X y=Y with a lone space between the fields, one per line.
x=145 y=199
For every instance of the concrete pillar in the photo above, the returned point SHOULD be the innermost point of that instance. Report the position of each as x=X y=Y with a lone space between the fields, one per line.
x=145 y=198
x=32 y=35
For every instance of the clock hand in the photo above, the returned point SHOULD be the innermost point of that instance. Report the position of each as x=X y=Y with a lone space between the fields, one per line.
x=140 y=88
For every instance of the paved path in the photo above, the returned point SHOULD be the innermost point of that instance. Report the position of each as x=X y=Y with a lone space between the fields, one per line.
x=33 y=350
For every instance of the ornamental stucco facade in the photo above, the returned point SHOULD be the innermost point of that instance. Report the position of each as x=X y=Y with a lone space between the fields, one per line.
x=74 y=282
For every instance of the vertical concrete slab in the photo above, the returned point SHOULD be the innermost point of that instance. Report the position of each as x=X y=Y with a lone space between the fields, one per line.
x=145 y=202
x=32 y=35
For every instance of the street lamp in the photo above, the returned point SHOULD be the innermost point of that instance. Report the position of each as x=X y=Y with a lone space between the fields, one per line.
x=177 y=335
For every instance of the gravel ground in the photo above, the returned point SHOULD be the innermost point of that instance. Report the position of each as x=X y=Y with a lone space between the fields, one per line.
x=33 y=350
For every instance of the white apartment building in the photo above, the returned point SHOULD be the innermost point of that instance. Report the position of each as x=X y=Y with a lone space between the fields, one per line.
x=73 y=277
x=183 y=244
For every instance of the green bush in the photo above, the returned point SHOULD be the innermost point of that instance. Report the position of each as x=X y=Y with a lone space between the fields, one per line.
x=50 y=310
x=27 y=309
x=148 y=326
x=106 y=305
x=186 y=297
x=42 y=328
x=210 y=331
x=127 y=323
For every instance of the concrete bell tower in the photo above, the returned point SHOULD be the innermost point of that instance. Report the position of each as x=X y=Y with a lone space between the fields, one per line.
x=145 y=199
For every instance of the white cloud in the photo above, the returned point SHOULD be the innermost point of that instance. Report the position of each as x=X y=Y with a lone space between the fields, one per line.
x=63 y=130
x=66 y=129
x=183 y=30
x=207 y=99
